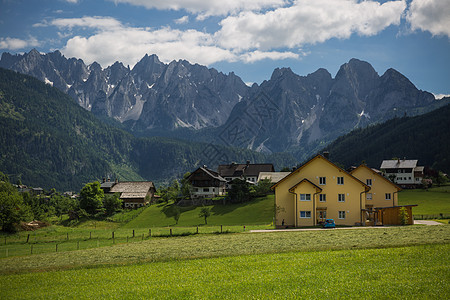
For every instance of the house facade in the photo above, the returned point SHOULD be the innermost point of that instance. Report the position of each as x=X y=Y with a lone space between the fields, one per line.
x=381 y=202
x=316 y=191
x=206 y=183
x=240 y=171
x=403 y=172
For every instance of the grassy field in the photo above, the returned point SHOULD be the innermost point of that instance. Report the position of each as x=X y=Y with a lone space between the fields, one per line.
x=430 y=202
x=258 y=211
x=213 y=245
x=390 y=273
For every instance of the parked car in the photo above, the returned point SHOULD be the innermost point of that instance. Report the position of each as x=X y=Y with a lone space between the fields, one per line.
x=329 y=223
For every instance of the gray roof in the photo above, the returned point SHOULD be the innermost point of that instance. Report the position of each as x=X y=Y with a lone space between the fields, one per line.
x=273 y=176
x=399 y=163
x=132 y=187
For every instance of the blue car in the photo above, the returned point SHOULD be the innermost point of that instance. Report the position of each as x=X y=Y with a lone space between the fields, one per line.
x=329 y=223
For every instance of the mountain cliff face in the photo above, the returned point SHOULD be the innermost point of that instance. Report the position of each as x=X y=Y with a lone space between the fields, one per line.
x=288 y=112
x=152 y=95
x=310 y=111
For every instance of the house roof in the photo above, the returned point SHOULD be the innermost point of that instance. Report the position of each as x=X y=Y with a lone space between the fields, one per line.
x=273 y=176
x=374 y=171
x=107 y=184
x=132 y=187
x=133 y=195
x=210 y=173
x=319 y=156
x=399 y=163
x=237 y=170
x=307 y=181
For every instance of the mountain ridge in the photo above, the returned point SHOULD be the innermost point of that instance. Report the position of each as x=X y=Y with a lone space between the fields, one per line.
x=193 y=102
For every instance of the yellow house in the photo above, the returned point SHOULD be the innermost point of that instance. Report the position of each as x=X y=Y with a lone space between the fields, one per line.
x=318 y=190
x=382 y=200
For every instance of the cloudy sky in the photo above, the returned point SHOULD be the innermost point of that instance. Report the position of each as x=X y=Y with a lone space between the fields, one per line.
x=249 y=37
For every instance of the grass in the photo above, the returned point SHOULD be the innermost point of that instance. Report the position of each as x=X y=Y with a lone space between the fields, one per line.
x=204 y=246
x=430 y=202
x=258 y=211
x=393 y=273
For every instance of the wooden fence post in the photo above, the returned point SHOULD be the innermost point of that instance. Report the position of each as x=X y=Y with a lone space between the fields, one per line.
x=197 y=229
x=28 y=238
x=150 y=232
x=31 y=249
x=220 y=228
x=56 y=247
x=67 y=236
x=113 y=237
x=78 y=245
x=133 y=233
x=170 y=231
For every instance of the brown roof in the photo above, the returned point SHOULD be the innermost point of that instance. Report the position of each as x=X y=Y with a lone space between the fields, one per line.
x=132 y=187
x=237 y=170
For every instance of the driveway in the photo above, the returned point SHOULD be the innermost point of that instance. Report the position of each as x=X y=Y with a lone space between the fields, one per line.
x=426 y=222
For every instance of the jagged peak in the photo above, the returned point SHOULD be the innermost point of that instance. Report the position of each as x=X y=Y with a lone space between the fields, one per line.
x=279 y=72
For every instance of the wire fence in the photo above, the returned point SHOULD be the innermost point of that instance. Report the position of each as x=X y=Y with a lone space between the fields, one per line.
x=29 y=244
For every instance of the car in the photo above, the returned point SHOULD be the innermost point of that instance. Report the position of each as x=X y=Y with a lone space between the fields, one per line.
x=329 y=223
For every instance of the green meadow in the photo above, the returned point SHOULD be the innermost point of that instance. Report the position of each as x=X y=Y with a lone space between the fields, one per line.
x=432 y=201
x=145 y=254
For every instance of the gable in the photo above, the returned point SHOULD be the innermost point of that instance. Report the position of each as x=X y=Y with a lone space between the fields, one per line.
x=363 y=172
x=313 y=169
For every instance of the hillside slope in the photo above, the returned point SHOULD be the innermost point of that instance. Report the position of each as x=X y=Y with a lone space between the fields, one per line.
x=425 y=137
x=48 y=140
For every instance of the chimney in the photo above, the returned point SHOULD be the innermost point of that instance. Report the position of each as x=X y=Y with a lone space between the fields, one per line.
x=104 y=179
x=326 y=154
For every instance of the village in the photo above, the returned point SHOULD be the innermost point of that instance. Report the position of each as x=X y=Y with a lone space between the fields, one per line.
x=306 y=196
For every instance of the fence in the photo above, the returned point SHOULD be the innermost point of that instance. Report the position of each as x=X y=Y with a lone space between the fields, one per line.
x=29 y=244
x=431 y=217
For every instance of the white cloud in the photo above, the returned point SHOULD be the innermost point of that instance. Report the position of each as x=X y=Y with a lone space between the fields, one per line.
x=207 y=8
x=72 y=1
x=260 y=55
x=430 y=15
x=182 y=20
x=16 y=44
x=103 y=23
x=129 y=45
x=307 y=22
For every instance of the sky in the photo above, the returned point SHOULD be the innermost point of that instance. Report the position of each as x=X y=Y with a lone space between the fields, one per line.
x=248 y=37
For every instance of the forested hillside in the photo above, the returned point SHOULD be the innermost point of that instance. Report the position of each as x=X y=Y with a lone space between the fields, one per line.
x=48 y=140
x=425 y=137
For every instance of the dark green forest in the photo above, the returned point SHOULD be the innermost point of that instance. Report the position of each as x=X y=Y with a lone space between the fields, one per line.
x=425 y=137
x=48 y=140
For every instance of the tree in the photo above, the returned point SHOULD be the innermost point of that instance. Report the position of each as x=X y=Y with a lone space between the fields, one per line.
x=263 y=187
x=12 y=208
x=176 y=213
x=239 y=192
x=404 y=217
x=205 y=212
x=186 y=186
x=112 y=203
x=91 y=197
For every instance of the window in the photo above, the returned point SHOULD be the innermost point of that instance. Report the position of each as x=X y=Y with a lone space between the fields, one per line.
x=341 y=197
x=342 y=214
x=322 y=197
x=387 y=196
x=305 y=197
x=369 y=182
x=340 y=180
x=369 y=196
x=205 y=190
x=305 y=214
x=322 y=180
x=322 y=214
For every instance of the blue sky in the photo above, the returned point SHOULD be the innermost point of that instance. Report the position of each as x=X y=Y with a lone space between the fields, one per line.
x=250 y=38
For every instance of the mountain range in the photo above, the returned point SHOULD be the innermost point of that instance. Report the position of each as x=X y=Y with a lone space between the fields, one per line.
x=288 y=112
x=48 y=140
